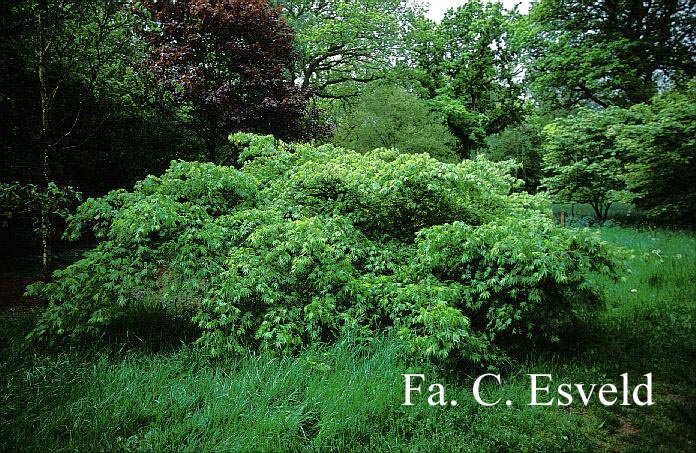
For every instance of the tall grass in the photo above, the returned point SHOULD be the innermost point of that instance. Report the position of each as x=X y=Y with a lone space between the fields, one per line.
x=129 y=396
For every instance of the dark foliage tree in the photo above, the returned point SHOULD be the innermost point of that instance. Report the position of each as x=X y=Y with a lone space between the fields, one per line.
x=101 y=123
x=523 y=143
x=229 y=60
x=59 y=55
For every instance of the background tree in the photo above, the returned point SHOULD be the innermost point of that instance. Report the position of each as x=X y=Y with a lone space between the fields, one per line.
x=390 y=117
x=608 y=52
x=523 y=143
x=343 y=44
x=230 y=60
x=78 y=43
x=583 y=162
x=48 y=208
x=468 y=64
x=109 y=125
x=62 y=53
x=662 y=150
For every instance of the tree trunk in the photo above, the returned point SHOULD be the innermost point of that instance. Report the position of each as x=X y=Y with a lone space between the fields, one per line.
x=606 y=212
x=597 y=212
x=211 y=148
x=47 y=247
x=601 y=212
x=45 y=134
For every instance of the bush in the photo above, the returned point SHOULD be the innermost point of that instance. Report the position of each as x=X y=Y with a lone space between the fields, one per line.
x=304 y=242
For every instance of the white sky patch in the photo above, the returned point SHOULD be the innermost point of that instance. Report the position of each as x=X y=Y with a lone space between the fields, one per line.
x=437 y=8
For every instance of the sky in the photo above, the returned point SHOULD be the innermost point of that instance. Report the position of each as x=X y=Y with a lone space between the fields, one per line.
x=439 y=7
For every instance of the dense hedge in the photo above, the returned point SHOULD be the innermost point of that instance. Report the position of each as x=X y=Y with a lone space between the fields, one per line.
x=304 y=242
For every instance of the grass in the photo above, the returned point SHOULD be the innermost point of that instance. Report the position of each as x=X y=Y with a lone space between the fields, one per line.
x=131 y=395
x=582 y=214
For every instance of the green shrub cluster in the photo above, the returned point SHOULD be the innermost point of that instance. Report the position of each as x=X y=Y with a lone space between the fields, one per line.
x=305 y=242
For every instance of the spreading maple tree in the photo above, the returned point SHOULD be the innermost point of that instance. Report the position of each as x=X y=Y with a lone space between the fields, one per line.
x=229 y=59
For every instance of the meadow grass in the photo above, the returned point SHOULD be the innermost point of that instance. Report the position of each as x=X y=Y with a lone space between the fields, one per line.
x=158 y=393
x=616 y=210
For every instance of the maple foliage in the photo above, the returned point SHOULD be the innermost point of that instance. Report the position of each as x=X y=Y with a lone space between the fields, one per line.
x=230 y=60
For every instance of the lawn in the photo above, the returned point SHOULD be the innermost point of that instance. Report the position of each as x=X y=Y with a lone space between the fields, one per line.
x=149 y=389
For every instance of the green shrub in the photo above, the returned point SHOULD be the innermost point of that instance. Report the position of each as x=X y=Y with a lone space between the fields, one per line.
x=304 y=242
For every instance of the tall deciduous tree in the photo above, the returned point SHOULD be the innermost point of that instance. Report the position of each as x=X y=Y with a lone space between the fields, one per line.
x=469 y=65
x=583 y=161
x=608 y=52
x=343 y=44
x=120 y=127
x=390 y=117
x=66 y=49
x=230 y=60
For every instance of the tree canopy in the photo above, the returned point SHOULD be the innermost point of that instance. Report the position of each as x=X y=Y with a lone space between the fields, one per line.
x=390 y=117
x=344 y=44
x=608 y=52
x=583 y=161
x=230 y=59
x=469 y=65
